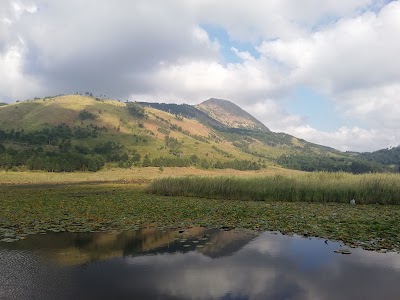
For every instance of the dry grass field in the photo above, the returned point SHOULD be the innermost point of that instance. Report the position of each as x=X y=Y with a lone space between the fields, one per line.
x=127 y=175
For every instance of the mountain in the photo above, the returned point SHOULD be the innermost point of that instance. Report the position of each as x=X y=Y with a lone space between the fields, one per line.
x=75 y=132
x=230 y=115
x=389 y=157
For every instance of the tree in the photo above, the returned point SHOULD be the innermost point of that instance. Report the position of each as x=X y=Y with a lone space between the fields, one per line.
x=146 y=161
x=358 y=167
x=86 y=115
x=135 y=110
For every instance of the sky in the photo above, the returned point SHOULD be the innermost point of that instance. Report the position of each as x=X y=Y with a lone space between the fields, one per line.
x=325 y=71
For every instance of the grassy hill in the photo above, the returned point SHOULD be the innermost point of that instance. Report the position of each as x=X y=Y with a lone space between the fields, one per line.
x=75 y=132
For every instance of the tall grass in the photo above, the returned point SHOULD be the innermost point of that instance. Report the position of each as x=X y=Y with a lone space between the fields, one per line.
x=311 y=187
x=116 y=175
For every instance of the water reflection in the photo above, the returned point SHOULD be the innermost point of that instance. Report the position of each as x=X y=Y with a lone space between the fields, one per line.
x=196 y=263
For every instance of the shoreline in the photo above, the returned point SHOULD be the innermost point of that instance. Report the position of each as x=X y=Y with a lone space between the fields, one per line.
x=30 y=209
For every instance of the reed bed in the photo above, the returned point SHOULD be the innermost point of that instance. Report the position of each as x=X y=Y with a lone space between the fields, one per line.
x=310 y=187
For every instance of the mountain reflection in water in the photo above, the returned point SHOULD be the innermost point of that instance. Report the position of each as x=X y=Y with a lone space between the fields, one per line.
x=195 y=263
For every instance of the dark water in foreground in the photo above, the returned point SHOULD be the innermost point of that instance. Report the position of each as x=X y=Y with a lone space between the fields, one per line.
x=196 y=264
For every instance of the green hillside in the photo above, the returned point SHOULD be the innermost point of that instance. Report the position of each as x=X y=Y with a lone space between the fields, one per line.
x=74 y=132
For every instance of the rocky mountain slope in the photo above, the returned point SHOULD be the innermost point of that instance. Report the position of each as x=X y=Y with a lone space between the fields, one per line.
x=230 y=115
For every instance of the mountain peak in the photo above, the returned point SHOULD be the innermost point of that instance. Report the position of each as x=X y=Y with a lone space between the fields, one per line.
x=229 y=114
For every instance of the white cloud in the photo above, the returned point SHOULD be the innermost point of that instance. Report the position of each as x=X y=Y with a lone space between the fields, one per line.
x=348 y=139
x=12 y=78
x=352 y=54
x=272 y=113
x=377 y=105
x=345 y=138
x=103 y=47
x=352 y=63
x=273 y=19
x=199 y=80
x=21 y=7
x=245 y=55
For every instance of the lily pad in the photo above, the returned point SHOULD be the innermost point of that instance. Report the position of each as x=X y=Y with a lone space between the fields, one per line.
x=342 y=251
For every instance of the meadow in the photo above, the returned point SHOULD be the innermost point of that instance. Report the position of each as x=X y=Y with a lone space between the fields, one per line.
x=130 y=175
x=304 y=187
x=119 y=199
x=33 y=209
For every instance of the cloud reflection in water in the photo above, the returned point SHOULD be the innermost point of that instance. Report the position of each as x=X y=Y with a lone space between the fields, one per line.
x=268 y=266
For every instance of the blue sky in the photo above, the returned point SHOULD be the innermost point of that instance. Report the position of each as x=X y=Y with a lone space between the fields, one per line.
x=314 y=107
x=325 y=73
x=219 y=34
x=318 y=111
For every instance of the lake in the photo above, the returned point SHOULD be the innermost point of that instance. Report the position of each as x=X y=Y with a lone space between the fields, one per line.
x=194 y=263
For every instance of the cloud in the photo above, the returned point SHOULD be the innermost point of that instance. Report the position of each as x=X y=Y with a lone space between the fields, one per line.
x=348 y=139
x=350 y=54
x=345 y=138
x=274 y=19
x=199 y=80
x=101 y=47
x=378 y=105
x=351 y=63
x=13 y=78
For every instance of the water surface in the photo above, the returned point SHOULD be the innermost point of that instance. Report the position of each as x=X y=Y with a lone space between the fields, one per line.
x=195 y=263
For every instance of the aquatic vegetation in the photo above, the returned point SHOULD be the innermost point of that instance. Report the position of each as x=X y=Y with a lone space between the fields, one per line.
x=30 y=209
x=310 y=187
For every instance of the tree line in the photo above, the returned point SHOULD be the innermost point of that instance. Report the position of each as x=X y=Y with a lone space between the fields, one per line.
x=194 y=160
x=51 y=161
x=321 y=162
x=50 y=135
